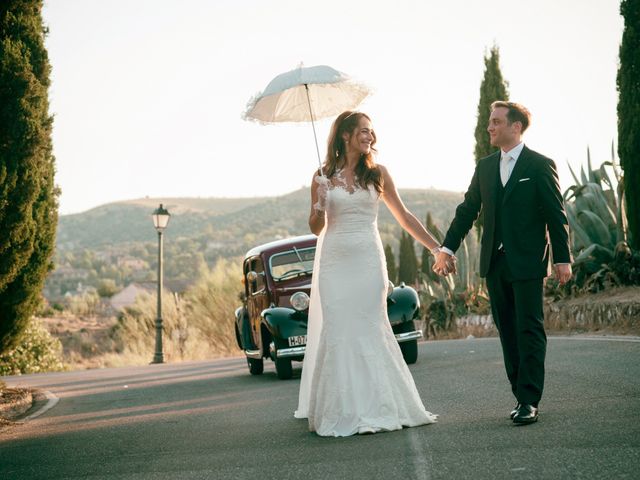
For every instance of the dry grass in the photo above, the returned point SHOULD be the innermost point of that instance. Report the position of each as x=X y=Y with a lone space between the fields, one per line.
x=85 y=339
x=196 y=326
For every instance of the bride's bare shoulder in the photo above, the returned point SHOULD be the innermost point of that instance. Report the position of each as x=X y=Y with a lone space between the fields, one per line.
x=383 y=170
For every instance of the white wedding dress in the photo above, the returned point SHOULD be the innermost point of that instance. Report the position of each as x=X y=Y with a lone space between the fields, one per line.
x=354 y=378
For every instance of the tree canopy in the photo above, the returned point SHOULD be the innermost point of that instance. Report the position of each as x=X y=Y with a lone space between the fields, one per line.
x=28 y=197
x=492 y=88
x=628 y=82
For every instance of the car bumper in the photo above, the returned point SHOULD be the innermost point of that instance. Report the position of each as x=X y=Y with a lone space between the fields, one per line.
x=255 y=354
x=408 y=336
x=299 y=351
x=291 y=352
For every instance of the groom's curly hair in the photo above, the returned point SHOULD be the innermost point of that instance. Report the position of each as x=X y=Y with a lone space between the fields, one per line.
x=367 y=172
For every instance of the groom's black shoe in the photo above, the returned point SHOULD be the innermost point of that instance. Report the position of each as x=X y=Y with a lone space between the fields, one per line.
x=514 y=411
x=526 y=414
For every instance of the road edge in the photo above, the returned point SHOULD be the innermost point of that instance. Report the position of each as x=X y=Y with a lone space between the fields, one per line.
x=41 y=396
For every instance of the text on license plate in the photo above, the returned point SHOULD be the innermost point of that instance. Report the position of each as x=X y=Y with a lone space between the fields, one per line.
x=297 y=340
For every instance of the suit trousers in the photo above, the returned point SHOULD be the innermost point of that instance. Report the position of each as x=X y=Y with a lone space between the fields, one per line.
x=516 y=306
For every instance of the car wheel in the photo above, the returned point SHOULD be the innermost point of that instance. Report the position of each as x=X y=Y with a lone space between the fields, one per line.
x=256 y=367
x=284 y=370
x=409 y=351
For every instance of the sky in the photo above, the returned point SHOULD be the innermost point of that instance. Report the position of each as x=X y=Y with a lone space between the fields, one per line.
x=148 y=95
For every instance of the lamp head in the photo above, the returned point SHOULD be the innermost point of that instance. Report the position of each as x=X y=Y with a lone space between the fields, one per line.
x=160 y=218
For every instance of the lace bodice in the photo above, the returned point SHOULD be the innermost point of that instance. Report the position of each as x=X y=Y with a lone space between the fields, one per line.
x=349 y=205
x=339 y=180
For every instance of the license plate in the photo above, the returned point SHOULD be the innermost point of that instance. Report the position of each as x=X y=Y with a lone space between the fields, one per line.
x=297 y=340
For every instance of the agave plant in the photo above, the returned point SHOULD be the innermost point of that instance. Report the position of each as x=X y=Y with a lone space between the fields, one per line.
x=437 y=303
x=595 y=212
x=598 y=200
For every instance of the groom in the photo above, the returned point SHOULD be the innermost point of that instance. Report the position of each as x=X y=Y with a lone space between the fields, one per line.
x=518 y=191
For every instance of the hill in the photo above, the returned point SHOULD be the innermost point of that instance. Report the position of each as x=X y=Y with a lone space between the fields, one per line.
x=117 y=241
x=130 y=220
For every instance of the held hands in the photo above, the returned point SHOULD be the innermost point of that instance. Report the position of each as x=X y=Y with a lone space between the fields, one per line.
x=445 y=264
x=562 y=272
x=323 y=186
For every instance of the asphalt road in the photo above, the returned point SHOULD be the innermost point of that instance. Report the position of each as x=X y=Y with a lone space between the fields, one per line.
x=212 y=420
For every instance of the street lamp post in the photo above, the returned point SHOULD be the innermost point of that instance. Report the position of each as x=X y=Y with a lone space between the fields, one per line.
x=160 y=220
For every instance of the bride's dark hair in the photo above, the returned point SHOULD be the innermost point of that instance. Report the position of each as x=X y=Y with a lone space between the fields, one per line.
x=366 y=172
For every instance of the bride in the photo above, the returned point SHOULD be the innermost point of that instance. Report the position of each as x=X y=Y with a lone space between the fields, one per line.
x=354 y=379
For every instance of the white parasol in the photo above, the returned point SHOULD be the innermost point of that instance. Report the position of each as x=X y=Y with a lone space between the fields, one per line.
x=306 y=94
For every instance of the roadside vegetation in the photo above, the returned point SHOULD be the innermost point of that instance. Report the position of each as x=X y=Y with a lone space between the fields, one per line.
x=196 y=325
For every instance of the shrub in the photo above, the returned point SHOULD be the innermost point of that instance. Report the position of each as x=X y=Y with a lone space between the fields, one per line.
x=37 y=351
x=84 y=304
x=107 y=288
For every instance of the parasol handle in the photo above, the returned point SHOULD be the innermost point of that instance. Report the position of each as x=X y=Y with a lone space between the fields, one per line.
x=315 y=137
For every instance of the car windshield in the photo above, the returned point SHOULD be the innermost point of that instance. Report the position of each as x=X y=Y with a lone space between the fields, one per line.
x=292 y=263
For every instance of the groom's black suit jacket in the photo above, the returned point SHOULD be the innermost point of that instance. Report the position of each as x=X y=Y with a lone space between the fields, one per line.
x=531 y=215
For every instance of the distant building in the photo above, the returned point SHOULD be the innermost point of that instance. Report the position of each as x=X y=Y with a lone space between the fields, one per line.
x=127 y=296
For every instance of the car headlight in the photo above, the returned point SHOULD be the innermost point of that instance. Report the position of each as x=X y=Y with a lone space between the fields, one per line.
x=390 y=287
x=299 y=301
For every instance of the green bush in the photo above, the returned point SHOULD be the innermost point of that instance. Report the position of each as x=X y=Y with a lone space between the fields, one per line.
x=37 y=351
x=107 y=288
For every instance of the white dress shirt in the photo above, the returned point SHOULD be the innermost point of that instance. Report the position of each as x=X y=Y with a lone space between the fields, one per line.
x=512 y=155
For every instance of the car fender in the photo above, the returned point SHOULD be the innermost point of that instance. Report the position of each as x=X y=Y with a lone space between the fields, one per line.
x=243 y=329
x=402 y=305
x=284 y=322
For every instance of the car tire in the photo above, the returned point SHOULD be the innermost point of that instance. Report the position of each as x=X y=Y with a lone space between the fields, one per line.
x=409 y=351
x=256 y=367
x=284 y=370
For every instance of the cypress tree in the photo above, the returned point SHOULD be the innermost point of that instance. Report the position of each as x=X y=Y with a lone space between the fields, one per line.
x=28 y=197
x=408 y=268
x=493 y=87
x=392 y=271
x=628 y=82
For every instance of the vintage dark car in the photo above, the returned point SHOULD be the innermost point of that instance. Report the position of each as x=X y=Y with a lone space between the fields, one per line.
x=272 y=322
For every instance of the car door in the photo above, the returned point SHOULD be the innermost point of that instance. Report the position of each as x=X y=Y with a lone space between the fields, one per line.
x=257 y=296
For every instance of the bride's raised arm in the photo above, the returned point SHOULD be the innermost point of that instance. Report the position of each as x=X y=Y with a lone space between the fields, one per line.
x=405 y=218
x=319 y=186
